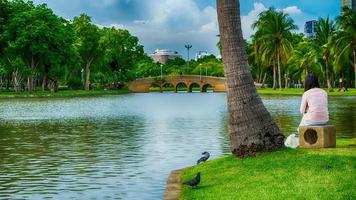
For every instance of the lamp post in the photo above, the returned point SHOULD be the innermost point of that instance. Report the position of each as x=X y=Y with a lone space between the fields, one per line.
x=188 y=46
x=206 y=71
x=161 y=71
x=82 y=73
x=200 y=71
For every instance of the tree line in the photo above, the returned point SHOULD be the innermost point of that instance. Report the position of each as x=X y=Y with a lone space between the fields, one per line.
x=41 y=49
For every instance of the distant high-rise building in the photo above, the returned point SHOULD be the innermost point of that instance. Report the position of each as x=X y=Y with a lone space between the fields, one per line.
x=349 y=3
x=309 y=29
x=345 y=3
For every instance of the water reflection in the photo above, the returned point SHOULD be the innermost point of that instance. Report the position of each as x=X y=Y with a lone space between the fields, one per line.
x=122 y=147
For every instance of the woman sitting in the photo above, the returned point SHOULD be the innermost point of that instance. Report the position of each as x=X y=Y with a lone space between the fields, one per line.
x=314 y=108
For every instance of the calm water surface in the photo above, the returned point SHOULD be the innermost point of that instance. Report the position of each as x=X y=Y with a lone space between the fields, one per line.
x=123 y=147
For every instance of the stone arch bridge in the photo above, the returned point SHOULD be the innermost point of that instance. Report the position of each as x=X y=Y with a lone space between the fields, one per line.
x=218 y=84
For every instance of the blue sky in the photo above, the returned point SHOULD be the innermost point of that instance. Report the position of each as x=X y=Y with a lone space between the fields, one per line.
x=173 y=23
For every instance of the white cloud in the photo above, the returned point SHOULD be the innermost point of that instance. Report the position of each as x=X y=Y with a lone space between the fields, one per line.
x=250 y=18
x=172 y=24
x=292 y=10
x=116 y=26
x=141 y=21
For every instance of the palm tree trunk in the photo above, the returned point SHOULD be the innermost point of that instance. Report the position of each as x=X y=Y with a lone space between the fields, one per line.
x=250 y=125
x=286 y=82
x=328 y=75
x=279 y=73
x=260 y=77
x=274 y=77
x=355 y=66
x=264 y=79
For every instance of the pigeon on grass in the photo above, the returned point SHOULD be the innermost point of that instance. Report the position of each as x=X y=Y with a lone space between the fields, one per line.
x=204 y=158
x=193 y=182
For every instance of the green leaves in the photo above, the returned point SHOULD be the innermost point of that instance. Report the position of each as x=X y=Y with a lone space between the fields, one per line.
x=122 y=52
x=87 y=37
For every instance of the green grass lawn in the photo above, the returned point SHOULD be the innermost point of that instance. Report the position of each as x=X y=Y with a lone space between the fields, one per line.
x=285 y=174
x=61 y=93
x=300 y=91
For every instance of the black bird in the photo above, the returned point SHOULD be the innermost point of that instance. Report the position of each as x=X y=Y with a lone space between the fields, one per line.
x=205 y=157
x=193 y=182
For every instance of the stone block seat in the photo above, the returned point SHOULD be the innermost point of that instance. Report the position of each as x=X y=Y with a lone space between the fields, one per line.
x=317 y=136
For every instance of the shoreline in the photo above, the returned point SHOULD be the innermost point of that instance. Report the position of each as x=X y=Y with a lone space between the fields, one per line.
x=300 y=91
x=82 y=93
x=61 y=94
x=270 y=91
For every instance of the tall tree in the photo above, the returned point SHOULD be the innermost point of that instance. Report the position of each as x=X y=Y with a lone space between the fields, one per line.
x=251 y=126
x=60 y=52
x=346 y=37
x=38 y=34
x=122 y=52
x=274 y=37
x=4 y=18
x=88 y=37
x=325 y=32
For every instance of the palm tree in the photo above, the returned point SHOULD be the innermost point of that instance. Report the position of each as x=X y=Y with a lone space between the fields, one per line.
x=263 y=57
x=251 y=127
x=325 y=32
x=346 y=37
x=305 y=58
x=274 y=37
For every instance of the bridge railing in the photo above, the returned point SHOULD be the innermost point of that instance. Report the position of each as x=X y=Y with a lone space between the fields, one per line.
x=179 y=76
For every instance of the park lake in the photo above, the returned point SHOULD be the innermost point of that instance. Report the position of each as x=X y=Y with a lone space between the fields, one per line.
x=124 y=146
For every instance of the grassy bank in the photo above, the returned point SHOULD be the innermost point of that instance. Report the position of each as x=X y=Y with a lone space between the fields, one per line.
x=269 y=91
x=299 y=91
x=285 y=174
x=61 y=93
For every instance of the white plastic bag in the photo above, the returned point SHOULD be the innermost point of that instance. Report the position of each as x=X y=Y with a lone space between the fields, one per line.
x=292 y=141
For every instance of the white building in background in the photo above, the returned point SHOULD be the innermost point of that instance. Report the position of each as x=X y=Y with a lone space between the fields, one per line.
x=163 y=55
x=201 y=54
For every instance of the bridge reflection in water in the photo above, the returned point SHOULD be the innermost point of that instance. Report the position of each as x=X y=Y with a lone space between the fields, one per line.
x=218 y=84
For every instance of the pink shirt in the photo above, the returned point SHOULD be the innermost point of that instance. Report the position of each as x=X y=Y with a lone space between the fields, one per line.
x=315 y=105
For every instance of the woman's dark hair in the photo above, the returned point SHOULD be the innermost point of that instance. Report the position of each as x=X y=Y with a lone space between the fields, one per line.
x=311 y=81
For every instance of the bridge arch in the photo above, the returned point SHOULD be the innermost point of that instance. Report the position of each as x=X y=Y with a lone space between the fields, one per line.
x=168 y=87
x=179 y=85
x=154 y=86
x=193 y=85
x=205 y=87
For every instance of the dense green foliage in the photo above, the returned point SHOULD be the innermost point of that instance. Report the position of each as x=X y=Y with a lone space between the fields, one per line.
x=331 y=55
x=285 y=174
x=38 y=49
